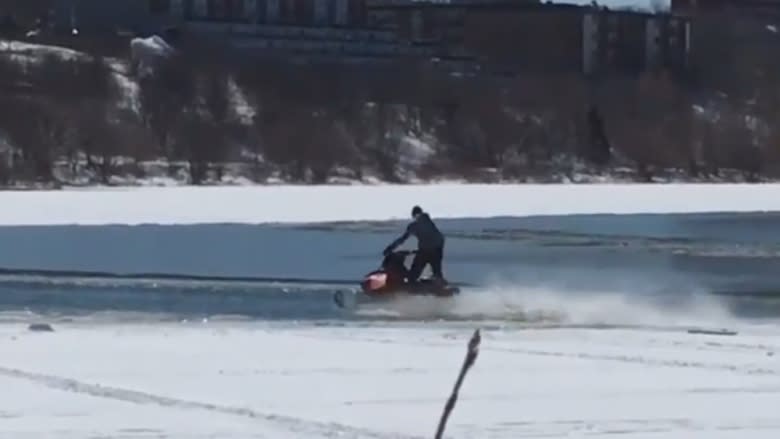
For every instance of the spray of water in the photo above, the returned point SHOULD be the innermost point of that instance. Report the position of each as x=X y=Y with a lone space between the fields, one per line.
x=548 y=305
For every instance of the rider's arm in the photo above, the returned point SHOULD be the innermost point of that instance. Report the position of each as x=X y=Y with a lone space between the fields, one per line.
x=400 y=239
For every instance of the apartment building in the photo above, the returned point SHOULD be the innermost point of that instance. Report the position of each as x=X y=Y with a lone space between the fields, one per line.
x=505 y=36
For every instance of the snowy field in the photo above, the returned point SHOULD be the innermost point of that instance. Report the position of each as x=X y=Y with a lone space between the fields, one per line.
x=255 y=381
x=264 y=204
x=608 y=354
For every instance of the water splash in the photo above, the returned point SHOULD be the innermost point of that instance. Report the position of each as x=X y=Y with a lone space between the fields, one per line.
x=539 y=305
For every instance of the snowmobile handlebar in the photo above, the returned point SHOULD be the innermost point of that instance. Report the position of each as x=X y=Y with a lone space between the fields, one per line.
x=403 y=253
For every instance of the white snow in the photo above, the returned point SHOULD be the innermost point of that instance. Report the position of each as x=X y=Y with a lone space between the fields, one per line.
x=154 y=46
x=146 y=52
x=27 y=52
x=269 y=204
x=242 y=380
x=35 y=52
x=116 y=378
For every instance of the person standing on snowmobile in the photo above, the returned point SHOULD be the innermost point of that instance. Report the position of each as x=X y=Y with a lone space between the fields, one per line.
x=430 y=245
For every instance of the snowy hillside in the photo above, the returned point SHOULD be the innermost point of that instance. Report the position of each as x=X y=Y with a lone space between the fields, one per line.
x=177 y=120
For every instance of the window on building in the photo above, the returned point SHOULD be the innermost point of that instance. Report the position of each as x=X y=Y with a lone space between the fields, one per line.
x=321 y=12
x=287 y=11
x=236 y=10
x=159 y=7
x=200 y=9
x=218 y=9
x=250 y=10
x=341 y=14
x=273 y=11
x=177 y=8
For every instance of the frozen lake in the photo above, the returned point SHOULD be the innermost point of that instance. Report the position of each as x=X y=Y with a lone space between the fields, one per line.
x=664 y=259
x=586 y=319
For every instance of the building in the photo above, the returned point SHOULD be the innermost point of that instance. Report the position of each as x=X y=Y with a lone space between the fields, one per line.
x=766 y=9
x=530 y=36
x=147 y=15
x=295 y=29
x=740 y=37
x=632 y=43
x=503 y=36
x=99 y=16
x=323 y=13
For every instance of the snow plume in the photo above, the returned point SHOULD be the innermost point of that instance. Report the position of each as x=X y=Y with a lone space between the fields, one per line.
x=555 y=306
x=596 y=308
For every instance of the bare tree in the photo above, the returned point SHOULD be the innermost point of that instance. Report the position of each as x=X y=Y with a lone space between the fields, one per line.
x=217 y=114
x=37 y=130
x=104 y=135
x=163 y=98
x=21 y=16
x=198 y=139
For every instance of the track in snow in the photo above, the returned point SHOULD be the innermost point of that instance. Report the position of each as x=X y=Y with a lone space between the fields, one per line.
x=291 y=424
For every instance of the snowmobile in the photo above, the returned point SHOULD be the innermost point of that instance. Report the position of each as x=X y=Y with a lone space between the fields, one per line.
x=389 y=281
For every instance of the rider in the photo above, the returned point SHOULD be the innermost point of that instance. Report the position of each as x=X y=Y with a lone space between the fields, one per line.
x=430 y=245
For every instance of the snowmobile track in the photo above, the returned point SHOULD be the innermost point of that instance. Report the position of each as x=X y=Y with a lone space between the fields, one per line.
x=302 y=427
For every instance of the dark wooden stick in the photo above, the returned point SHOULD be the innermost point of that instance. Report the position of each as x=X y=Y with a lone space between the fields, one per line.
x=471 y=357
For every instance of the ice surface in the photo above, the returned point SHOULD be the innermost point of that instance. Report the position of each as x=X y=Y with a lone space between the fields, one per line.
x=254 y=380
x=268 y=204
x=237 y=379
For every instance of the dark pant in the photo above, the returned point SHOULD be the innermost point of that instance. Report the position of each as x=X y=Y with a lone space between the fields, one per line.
x=423 y=258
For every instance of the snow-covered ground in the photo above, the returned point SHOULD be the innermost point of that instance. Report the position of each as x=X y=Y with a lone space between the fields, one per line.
x=234 y=380
x=269 y=204
x=114 y=377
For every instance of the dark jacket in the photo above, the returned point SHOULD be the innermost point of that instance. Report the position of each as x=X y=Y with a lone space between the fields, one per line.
x=428 y=235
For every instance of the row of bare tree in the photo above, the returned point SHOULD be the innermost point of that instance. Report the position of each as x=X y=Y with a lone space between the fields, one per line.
x=65 y=118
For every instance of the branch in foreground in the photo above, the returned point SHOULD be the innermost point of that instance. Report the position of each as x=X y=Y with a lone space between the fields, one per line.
x=471 y=357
